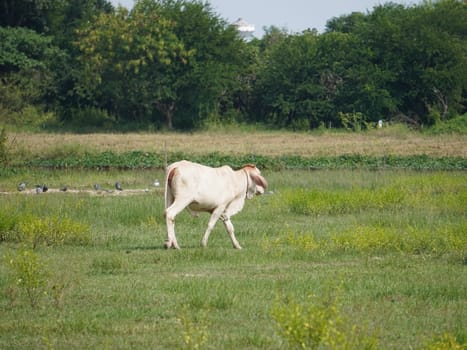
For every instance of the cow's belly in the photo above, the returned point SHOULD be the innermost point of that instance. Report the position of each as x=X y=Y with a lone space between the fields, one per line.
x=197 y=207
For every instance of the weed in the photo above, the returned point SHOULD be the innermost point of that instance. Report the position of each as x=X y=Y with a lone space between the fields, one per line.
x=445 y=342
x=194 y=330
x=323 y=202
x=373 y=239
x=49 y=231
x=30 y=274
x=317 y=324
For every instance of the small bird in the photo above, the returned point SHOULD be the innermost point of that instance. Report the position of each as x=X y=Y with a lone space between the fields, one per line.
x=45 y=188
x=118 y=186
x=156 y=183
x=22 y=186
x=97 y=187
x=38 y=189
x=64 y=189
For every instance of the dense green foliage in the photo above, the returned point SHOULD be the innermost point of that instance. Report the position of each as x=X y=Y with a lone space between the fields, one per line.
x=177 y=64
x=138 y=159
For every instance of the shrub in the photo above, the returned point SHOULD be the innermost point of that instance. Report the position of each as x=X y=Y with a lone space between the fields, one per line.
x=317 y=324
x=445 y=342
x=48 y=231
x=29 y=274
x=457 y=125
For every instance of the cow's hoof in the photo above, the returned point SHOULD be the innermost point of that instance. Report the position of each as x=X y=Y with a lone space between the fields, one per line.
x=167 y=244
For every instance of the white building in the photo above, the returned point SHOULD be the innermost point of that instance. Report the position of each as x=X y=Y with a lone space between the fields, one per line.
x=245 y=29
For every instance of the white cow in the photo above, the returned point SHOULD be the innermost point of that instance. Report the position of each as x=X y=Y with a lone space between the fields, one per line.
x=219 y=191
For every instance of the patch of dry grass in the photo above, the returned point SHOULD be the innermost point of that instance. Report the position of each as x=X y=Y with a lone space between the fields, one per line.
x=268 y=143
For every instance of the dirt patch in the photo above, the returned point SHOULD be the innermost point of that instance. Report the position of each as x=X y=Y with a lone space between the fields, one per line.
x=130 y=192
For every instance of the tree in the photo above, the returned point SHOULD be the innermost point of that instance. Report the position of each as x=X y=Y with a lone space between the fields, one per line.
x=423 y=49
x=174 y=59
x=26 y=75
x=126 y=57
x=289 y=83
x=206 y=84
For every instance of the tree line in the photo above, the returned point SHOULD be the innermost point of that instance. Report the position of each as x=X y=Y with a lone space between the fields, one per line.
x=178 y=64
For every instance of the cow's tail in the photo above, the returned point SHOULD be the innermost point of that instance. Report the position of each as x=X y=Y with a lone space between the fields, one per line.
x=170 y=171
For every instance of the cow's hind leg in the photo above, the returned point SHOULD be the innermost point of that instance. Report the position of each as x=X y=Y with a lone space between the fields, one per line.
x=230 y=229
x=170 y=213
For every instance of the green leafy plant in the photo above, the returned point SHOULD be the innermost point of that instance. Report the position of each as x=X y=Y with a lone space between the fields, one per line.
x=30 y=274
x=445 y=342
x=353 y=121
x=318 y=324
x=52 y=230
x=377 y=239
x=194 y=330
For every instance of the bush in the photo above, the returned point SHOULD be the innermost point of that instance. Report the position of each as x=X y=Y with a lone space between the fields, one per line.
x=29 y=274
x=457 y=125
x=317 y=324
x=49 y=231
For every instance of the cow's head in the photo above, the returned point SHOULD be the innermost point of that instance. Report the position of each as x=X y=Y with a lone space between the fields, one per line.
x=256 y=183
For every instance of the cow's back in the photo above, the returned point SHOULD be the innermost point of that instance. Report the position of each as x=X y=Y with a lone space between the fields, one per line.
x=205 y=185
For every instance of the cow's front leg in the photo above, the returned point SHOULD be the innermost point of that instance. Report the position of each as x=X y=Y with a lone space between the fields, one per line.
x=230 y=229
x=212 y=222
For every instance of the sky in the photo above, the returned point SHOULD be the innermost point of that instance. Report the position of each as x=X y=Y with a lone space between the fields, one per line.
x=293 y=15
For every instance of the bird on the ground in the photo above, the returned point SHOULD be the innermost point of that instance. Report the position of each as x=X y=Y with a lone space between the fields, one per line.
x=156 y=183
x=97 y=187
x=64 y=189
x=118 y=186
x=44 y=188
x=38 y=189
x=22 y=186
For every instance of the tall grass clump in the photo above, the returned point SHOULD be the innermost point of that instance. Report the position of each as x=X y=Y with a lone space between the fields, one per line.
x=318 y=324
x=412 y=240
x=371 y=239
x=445 y=342
x=51 y=230
x=194 y=330
x=329 y=202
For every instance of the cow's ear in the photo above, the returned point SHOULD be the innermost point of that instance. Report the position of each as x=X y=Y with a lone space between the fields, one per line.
x=259 y=181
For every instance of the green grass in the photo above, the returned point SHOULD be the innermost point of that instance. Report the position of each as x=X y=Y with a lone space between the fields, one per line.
x=388 y=248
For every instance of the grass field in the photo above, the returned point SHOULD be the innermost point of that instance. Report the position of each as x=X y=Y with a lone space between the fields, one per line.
x=332 y=259
x=391 y=141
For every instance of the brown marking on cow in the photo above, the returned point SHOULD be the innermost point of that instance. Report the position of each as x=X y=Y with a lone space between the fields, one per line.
x=170 y=177
x=252 y=166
